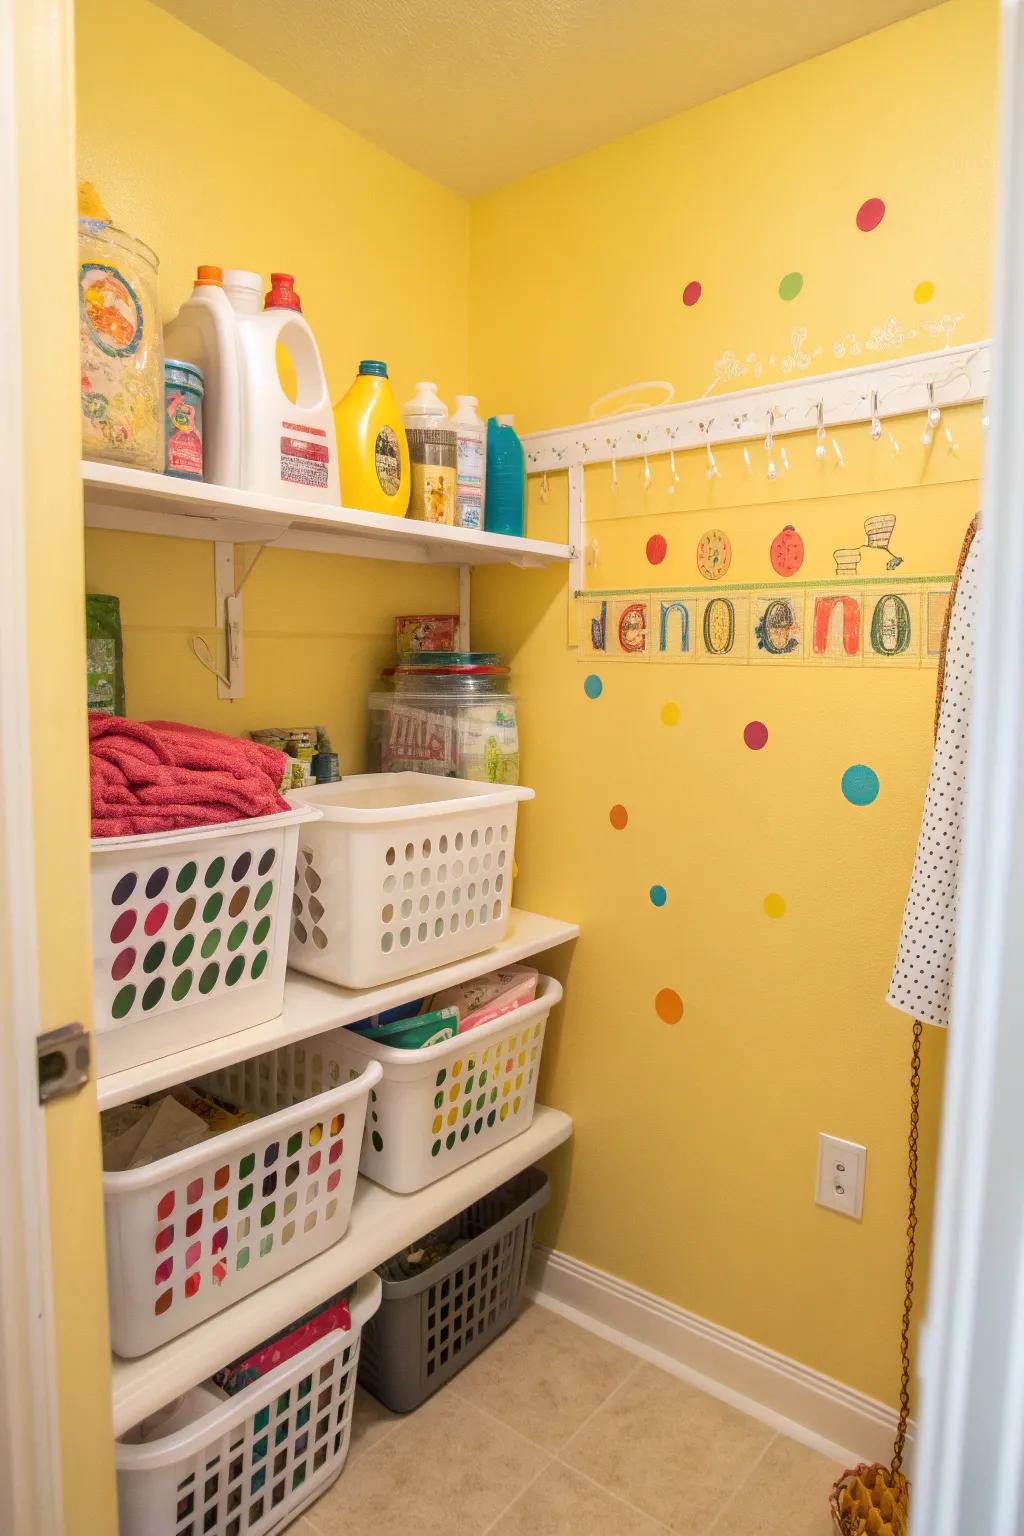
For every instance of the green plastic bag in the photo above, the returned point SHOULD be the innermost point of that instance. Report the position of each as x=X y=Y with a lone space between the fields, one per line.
x=104 y=652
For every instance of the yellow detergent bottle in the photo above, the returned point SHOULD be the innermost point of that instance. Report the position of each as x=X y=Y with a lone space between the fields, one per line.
x=373 y=453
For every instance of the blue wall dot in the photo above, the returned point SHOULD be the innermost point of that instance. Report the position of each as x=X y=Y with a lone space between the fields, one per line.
x=860 y=784
x=593 y=686
x=659 y=895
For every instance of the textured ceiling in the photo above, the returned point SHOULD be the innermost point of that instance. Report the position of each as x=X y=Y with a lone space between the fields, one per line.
x=479 y=92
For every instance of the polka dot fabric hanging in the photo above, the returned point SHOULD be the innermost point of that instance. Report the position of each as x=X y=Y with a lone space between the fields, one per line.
x=187 y=941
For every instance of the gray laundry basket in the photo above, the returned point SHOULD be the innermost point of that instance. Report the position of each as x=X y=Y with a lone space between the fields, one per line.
x=432 y=1324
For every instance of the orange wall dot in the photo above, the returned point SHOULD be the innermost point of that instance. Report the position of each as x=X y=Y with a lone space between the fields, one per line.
x=618 y=816
x=669 y=1006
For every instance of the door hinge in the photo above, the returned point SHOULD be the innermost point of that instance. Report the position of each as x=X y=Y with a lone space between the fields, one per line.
x=64 y=1056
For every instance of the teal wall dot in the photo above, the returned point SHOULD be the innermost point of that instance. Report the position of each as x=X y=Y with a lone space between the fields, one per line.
x=860 y=784
x=593 y=686
x=658 y=895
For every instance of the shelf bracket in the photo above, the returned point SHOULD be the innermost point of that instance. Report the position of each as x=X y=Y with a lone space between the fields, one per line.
x=228 y=608
x=465 y=590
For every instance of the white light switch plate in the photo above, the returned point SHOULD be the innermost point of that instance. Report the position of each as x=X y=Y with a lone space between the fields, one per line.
x=841 y=1167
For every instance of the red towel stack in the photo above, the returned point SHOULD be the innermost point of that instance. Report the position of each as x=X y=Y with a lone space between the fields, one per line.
x=159 y=777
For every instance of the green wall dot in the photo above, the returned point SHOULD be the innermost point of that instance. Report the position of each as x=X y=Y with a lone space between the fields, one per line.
x=208 y=980
x=123 y=1002
x=261 y=930
x=214 y=872
x=210 y=943
x=153 y=993
x=186 y=875
x=237 y=935
x=263 y=895
x=791 y=285
x=235 y=970
x=182 y=985
x=183 y=949
x=259 y=964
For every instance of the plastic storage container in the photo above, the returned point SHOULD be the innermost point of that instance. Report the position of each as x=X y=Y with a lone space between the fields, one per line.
x=214 y=1465
x=192 y=1233
x=405 y=871
x=121 y=347
x=438 y=1108
x=432 y=1324
x=506 y=478
x=186 y=938
x=449 y=714
x=373 y=451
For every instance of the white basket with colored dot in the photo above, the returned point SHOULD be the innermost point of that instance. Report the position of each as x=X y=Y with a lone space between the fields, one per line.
x=213 y=1465
x=436 y=1109
x=404 y=872
x=190 y=934
x=192 y=1233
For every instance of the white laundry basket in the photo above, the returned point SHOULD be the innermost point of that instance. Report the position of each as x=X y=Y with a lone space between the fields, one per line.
x=194 y=1232
x=439 y=1108
x=214 y=1465
x=404 y=872
x=187 y=941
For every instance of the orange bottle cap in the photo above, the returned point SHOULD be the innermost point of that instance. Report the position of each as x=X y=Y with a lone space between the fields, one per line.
x=209 y=276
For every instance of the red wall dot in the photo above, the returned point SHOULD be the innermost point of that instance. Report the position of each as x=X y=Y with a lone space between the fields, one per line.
x=755 y=734
x=691 y=293
x=657 y=549
x=870 y=214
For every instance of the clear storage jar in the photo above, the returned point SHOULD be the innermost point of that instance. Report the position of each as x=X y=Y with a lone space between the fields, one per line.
x=121 y=348
x=451 y=714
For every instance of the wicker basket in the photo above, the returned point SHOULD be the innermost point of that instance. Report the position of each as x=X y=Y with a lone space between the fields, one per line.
x=870 y=1500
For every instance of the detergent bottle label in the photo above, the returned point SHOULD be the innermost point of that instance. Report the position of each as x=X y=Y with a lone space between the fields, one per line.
x=305 y=455
x=387 y=461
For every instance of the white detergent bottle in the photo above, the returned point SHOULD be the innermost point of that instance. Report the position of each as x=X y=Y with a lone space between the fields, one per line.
x=205 y=332
x=471 y=453
x=288 y=446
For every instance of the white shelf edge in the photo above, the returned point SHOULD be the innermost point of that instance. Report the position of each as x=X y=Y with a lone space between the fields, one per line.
x=312 y=1006
x=139 y=501
x=381 y=1224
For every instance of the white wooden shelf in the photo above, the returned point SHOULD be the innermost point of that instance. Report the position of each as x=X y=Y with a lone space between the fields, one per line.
x=311 y=1006
x=138 y=501
x=381 y=1225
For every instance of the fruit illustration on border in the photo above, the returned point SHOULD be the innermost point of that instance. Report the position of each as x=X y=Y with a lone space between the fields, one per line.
x=714 y=554
x=787 y=551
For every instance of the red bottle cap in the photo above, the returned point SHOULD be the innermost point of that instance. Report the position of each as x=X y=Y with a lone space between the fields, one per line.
x=282 y=293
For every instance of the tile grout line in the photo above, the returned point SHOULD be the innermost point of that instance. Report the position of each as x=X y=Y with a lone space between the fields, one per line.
x=743 y=1483
x=609 y=1494
x=549 y=1463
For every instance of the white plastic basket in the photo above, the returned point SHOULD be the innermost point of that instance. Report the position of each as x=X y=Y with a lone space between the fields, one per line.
x=190 y=936
x=439 y=1108
x=194 y=1232
x=405 y=871
x=213 y=1465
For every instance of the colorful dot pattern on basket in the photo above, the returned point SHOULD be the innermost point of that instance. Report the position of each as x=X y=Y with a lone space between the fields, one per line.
x=215 y=1224
x=187 y=928
x=481 y=1089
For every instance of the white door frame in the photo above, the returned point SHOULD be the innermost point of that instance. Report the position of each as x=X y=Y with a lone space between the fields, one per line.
x=970 y=1451
x=30 y=1483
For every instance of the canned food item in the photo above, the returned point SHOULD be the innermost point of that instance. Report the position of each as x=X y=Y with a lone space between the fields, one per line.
x=183 y=419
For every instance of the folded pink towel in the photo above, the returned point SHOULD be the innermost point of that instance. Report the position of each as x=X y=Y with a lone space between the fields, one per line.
x=160 y=777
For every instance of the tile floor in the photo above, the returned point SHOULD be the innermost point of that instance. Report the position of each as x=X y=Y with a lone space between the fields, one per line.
x=552 y=1432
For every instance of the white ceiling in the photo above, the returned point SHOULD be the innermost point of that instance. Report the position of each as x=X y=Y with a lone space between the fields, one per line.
x=477 y=93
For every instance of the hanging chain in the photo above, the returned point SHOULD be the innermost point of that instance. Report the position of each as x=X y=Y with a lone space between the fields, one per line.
x=908 y=1301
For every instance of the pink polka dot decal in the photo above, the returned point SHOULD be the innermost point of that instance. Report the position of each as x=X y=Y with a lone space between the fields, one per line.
x=755 y=735
x=870 y=214
x=657 y=549
x=691 y=293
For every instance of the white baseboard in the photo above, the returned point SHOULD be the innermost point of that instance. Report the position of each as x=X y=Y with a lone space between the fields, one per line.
x=796 y=1400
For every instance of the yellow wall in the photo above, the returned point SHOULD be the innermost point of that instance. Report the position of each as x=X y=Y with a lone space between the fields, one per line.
x=56 y=642
x=208 y=161
x=692 y=1168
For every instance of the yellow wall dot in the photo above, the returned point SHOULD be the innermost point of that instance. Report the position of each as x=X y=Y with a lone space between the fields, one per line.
x=774 y=906
x=670 y=714
x=924 y=291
